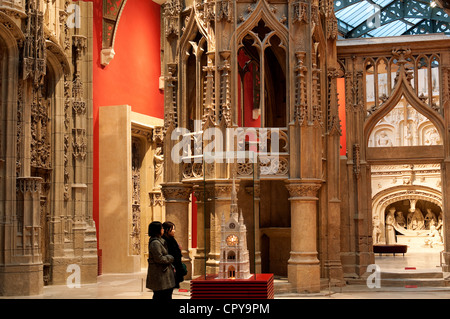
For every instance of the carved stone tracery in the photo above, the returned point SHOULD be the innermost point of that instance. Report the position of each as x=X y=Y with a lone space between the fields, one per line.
x=50 y=141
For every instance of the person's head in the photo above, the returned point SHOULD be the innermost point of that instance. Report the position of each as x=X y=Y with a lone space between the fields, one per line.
x=169 y=229
x=155 y=229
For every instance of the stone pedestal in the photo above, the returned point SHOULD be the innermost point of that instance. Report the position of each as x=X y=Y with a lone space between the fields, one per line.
x=303 y=264
x=21 y=271
x=21 y=280
x=177 y=200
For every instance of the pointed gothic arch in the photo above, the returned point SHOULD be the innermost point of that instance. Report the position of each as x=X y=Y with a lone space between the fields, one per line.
x=267 y=37
x=403 y=88
x=192 y=28
x=263 y=12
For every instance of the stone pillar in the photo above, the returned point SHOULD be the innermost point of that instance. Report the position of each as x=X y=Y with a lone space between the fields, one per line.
x=199 y=257
x=177 y=199
x=445 y=168
x=303 y=264
x=254 y=191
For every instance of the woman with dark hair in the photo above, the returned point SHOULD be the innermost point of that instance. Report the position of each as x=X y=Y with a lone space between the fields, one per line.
x=160 y=274
x=175 y=251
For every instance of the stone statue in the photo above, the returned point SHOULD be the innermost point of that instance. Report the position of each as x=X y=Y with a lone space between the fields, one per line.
x=440 y=226
x=408 y=136
x=384 y=140
x=158 y=161
x=432 y=137
x=434 y=236
x=376 y=231
x=401 y=221
x=390 y=231
x=418 y=220
x=430 y=218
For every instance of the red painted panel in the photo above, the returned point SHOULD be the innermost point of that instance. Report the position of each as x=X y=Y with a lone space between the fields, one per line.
x=132 y=77
x=341 y=95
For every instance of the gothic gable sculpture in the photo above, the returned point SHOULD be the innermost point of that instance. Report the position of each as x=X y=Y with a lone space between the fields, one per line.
x=263 y=64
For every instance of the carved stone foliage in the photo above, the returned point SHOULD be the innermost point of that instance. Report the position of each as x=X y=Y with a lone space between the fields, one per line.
x=225 y=94
x=301 y=108
x=333 y=121
x=79 y=144
x=303 y=190
x=176 y=193
x=19 y=141
x=40 y=132
x=171 y=12
x=136 y=162
x=225 y=10
x=34 y=49
x=171 y=114
x=356 y=160
x=317 y=117
x=300 y=11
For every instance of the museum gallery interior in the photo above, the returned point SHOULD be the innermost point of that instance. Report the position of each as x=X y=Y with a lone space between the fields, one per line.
x=297 y=138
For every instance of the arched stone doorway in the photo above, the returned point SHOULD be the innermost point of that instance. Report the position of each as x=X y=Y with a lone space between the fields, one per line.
x=410 y=215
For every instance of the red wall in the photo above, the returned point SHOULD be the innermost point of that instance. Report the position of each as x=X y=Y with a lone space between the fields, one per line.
x=132 y=77
x=248 y=96
x=341 y=95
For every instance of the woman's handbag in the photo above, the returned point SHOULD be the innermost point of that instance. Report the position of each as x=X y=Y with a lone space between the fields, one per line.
x=184 y=269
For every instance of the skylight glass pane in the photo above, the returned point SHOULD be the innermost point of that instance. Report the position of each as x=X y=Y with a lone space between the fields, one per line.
x=382 y=3
x=392 y=29
x=356 y=13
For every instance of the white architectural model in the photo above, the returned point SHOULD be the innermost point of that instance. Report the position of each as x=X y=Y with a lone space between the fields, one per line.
x=234 y=257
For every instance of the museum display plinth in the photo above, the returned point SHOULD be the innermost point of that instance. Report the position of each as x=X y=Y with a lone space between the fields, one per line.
x=258 y=286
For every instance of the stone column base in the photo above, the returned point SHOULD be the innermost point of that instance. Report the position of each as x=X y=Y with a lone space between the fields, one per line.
x=63 y=267
x=199 y=264
x=304 y=272
x=18 y=280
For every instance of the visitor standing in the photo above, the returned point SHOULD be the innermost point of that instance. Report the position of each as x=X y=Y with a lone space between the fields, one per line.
x=174 y=250
x=160 y=274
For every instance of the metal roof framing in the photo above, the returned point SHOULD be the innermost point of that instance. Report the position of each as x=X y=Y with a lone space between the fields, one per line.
x=369 y=18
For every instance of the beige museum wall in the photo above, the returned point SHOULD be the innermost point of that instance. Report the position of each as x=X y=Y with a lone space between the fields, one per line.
x=115 y=187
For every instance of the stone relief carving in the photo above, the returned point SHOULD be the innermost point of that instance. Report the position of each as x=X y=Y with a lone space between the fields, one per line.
x=404 y=126
x=300 y=11
x=135 y=232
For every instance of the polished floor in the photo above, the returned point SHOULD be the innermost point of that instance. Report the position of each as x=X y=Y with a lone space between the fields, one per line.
x=132 y=286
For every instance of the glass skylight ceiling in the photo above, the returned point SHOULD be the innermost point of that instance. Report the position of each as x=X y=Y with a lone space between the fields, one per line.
x=382 y=18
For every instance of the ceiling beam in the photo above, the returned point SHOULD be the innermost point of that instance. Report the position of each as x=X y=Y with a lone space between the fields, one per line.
x=397 y=10
x=429 y=26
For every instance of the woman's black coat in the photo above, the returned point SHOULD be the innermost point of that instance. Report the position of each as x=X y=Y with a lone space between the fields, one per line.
x=175 y=251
